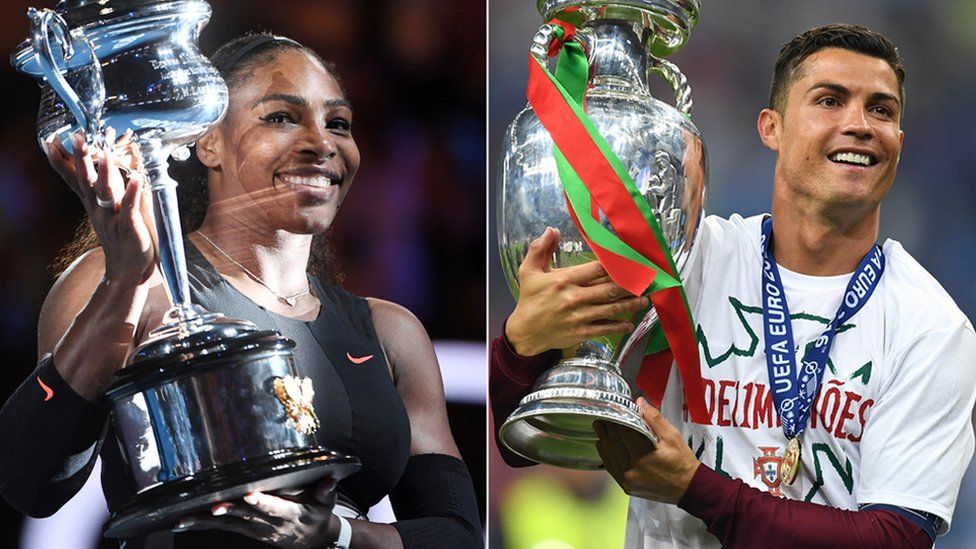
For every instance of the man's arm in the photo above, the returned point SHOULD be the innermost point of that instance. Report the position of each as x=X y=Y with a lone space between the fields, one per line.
x=510 y=378
x=742 y=516
x=918 y=439
x=557 y=308
x=738 y=515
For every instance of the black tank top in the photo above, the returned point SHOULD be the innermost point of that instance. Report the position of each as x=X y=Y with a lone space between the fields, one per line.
x=360 y=411
x=358 y=406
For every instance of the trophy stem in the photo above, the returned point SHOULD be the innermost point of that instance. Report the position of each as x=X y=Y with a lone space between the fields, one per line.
x=617 y=55
x=169 y=232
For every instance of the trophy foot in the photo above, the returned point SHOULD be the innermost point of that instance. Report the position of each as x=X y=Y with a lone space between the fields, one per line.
x=159 y=508
x=554 y=423
x=555 y=426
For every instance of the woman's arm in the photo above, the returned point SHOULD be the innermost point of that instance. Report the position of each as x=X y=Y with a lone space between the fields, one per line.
x=417 y=377
x=52 y=424
x=435 y=499
x=88 y=323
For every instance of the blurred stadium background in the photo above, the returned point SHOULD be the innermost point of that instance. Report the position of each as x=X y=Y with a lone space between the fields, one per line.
x=412 y=230
x=729 y=62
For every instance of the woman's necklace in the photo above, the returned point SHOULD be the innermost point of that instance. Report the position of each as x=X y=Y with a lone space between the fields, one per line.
x=289 y=300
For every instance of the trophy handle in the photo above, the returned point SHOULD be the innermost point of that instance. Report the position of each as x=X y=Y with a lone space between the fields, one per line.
x=542 y=41
x=682 y=89
x=44 y=24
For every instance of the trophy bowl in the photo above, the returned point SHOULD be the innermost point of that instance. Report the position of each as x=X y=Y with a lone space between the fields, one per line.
x=211 y=421
x=663 y=152
x=207 y=408
x=149 y=77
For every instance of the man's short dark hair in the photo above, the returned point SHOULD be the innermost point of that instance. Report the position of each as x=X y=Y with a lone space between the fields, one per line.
x=855 y=38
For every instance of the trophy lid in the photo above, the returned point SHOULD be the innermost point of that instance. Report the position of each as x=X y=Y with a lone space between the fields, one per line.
x=101 y=16
x=673 y=19
x=83 y=12
x=177 y=349
x=66 y=5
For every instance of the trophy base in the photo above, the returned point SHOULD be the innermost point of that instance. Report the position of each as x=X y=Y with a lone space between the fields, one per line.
x=160 y=507
x=555 y=426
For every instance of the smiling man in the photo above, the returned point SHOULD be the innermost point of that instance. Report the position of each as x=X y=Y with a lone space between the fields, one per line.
x=838 y=373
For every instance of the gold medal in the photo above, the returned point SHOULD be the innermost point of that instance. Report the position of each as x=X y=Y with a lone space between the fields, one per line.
x=791 y=461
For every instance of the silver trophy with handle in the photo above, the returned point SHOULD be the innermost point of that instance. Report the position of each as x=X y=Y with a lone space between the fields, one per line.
x=626 y=43
x=208 y=408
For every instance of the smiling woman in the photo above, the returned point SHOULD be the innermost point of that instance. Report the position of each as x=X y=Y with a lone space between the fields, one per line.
x=264 y=185
x=279 y=109
x=298 y=105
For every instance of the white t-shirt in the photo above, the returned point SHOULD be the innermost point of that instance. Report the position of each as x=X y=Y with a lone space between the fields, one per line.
x=891 y=423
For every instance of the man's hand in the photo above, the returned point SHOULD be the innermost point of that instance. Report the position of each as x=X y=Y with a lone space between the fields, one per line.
x=558 y=308
x=662 y=473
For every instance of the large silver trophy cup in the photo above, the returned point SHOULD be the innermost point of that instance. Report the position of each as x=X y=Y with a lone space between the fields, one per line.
x=208 y=408
x=625 y=42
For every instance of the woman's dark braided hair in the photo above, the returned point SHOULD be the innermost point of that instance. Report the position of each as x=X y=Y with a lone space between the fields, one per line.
x=235 y=61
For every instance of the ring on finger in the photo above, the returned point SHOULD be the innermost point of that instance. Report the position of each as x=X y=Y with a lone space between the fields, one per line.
x=108 y=204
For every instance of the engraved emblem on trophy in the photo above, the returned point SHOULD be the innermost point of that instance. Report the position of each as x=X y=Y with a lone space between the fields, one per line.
x=197 y=413
x=625 y=43
x=296 y=396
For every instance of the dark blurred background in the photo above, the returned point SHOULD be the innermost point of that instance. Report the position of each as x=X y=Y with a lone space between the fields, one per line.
x=729 y=61
x=411 y=231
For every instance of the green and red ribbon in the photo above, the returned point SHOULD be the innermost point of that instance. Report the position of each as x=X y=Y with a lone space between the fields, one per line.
x=635 y=253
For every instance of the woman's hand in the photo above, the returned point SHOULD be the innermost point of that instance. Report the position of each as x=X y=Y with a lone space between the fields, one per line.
x=303 y=522
x=120 y=212
x=558 y=308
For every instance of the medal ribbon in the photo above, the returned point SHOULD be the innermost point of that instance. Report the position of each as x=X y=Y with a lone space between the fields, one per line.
x=794 y=389
x=635 y=254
